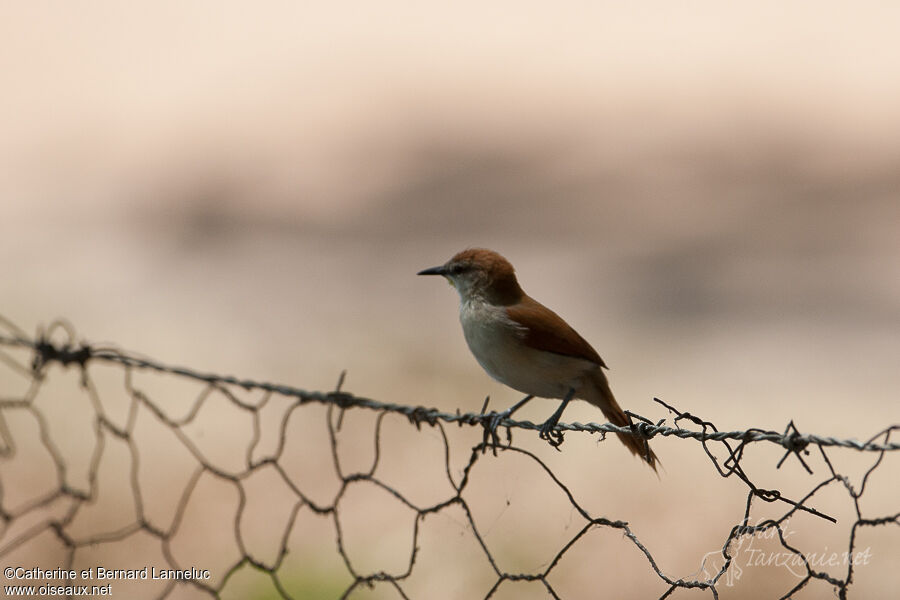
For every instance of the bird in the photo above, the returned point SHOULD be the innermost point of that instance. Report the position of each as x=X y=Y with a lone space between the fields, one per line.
x=523 y=344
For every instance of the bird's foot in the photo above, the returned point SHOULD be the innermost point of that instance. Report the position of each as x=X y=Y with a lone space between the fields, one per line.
x=548 y=429
x=492 y=420
x=549 y=432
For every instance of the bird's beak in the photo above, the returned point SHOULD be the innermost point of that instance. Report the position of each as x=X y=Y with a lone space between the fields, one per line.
x=441 y=270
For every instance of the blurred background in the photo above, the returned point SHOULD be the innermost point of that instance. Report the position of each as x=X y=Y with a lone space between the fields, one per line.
x=709 y=194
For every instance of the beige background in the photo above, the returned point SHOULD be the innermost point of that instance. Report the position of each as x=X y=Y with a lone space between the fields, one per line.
x=709 y=194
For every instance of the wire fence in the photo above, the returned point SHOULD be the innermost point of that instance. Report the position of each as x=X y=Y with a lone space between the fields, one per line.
x=48 y=517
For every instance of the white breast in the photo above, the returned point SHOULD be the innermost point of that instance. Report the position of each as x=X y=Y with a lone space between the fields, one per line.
x=496 y=342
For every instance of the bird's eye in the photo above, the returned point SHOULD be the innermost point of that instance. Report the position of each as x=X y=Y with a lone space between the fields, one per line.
x=456 y=269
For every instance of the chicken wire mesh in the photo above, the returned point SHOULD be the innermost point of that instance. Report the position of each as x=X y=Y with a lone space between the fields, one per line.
x=46 y=489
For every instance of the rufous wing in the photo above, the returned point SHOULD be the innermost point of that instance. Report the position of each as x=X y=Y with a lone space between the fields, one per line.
x=545 y=330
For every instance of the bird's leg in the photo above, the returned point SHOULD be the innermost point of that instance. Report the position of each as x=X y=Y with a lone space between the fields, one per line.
x=509 y=411
x=495 y=418
x=556 y=437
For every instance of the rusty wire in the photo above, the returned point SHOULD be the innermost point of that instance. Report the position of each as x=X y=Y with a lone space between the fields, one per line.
x=47 y=349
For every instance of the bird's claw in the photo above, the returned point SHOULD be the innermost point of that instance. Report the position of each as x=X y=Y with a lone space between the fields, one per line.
x=491 y=422
x=548 y=432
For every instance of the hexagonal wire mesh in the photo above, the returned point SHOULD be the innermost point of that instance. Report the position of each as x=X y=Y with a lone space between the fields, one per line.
x=52 y=513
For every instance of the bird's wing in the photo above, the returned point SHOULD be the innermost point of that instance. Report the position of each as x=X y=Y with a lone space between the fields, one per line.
x=545 y=330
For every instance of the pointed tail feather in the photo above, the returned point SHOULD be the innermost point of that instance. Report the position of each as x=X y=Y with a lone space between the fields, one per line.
x=602 y=397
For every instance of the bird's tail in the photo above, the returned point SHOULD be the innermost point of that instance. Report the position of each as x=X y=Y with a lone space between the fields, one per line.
x=602 y=397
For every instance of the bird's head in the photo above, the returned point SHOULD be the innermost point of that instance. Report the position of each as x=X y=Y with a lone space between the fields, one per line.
x=477 y=272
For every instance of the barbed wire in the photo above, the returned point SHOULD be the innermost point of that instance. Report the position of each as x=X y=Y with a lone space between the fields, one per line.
x=46 y=349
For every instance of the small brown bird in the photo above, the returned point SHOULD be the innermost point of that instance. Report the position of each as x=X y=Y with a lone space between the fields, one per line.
x=525 y=345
